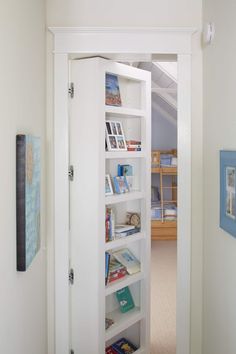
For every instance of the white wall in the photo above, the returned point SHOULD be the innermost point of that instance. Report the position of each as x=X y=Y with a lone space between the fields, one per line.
x=164 y=132
x=22 y=109
x=147 y=13
x=219 y=133
x=130 y=13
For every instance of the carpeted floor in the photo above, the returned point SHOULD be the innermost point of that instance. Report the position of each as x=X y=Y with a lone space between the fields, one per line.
x=163 y=297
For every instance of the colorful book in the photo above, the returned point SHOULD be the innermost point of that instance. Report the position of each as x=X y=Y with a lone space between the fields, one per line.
x=110 y=350
x=126 y=257
x=127 y=171
x=125 y=299
x=123 y=228
x=112 y=90
x=127 y=233
x=116 y=270
x=123 y=346
x=107 y=263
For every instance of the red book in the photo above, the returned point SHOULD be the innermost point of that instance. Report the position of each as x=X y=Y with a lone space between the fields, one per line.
x=110 y=350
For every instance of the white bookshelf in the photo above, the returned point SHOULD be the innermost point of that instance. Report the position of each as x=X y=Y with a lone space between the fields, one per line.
x=124 y=154
x=121 y=242
x=121 y=283
x=124 y=112
x=91 y=300
x=122 y=321
x=119 y=198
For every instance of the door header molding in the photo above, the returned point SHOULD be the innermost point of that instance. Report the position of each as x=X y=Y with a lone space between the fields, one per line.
x=90 y=40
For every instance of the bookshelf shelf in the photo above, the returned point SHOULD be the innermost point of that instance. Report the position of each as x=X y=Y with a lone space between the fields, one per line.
x=122 y=321
x=126 y=281
x=88 y=203
x=125 y=197
x=124 y=112
x=140 y=351
x=125 y=154
x=124 y=241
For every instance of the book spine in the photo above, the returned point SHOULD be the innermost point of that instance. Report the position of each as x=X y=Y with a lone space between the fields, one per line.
x=112 y=225
x=116 y=185
x=119 y=170
x=20 y=201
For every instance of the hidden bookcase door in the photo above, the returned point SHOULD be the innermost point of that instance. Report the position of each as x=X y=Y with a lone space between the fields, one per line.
x=124 y=102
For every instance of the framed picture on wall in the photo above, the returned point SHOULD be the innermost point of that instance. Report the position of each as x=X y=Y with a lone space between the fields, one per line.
x=228 y=191
x=28 y=171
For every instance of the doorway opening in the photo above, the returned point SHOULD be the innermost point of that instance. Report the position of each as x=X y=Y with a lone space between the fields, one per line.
x=164 y=185
x=76 y=43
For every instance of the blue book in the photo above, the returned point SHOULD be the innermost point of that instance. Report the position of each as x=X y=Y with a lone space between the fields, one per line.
x=126 y=170
x=123 y=346
x=119 y=170
x=107 y=262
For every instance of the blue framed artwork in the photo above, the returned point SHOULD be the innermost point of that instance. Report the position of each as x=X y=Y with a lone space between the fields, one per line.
x=228 y=191
x=27 y=199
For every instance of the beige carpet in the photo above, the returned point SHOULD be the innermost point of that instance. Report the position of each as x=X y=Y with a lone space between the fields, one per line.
x=163 y=297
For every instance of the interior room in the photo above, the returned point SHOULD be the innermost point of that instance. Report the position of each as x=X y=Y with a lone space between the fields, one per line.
x=53 y=296
x=164 y=205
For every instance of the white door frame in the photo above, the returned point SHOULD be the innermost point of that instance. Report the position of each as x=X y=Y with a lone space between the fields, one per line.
x=143 y=41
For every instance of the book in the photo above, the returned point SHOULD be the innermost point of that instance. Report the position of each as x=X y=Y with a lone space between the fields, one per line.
x=110 y=350
x=133 y=145
x=125 y=299
x=133 y=142
x=107 y=263
x=123 y=346
x=123 y=228
x=112 y=90
x=133 y=148
x=116 y=270
x=127 y=233
x=126 y=257
x=127 y=171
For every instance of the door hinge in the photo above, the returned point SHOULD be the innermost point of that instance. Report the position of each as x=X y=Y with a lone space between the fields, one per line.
x=71 y=276
x=71 y=173
x=72 y=351
x=71 y=90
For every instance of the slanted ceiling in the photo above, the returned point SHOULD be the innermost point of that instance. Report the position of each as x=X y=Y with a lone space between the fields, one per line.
x=164 y=88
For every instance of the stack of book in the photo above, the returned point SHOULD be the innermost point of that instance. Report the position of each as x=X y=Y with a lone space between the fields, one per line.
x=110 y=224
x=125 y=230
x=114 y=269
x=119 y=263
x=122 y=346
x=128 y=260
x=133 y=145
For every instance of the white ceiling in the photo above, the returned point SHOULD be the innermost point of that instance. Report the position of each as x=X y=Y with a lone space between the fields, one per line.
x=164 y=87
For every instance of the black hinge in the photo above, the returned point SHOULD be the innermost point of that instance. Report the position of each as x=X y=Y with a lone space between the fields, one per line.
x=71 y=90
x=71 y=173
x=72 y=351
x=71 y=276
